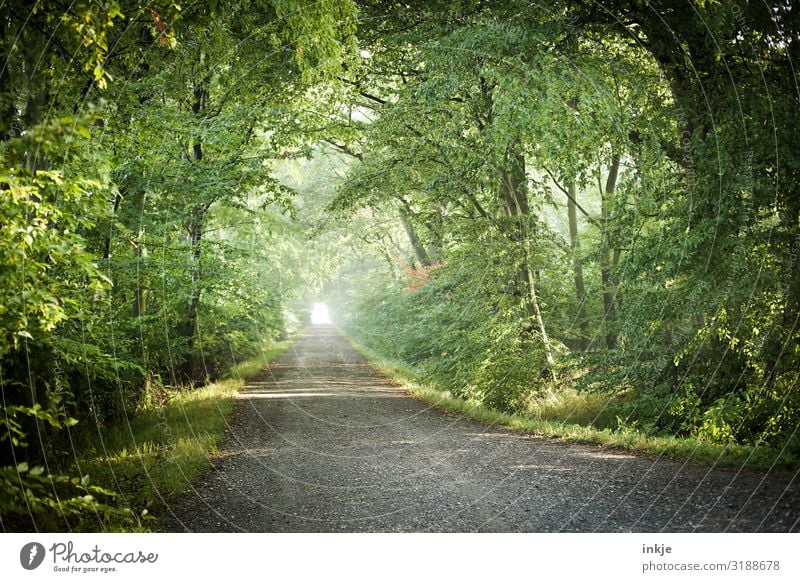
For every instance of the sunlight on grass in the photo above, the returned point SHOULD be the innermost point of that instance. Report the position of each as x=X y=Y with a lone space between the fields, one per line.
x=569 y=406
x=163 y=449
x=252 y=367
x=582 y=418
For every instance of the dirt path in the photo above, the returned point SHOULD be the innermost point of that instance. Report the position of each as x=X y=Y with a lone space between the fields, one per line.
x=324 y=443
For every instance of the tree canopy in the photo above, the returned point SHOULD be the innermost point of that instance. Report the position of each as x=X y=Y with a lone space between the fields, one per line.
x=515 y=200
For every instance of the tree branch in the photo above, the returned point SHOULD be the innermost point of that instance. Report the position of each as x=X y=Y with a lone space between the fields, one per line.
x=569 y=196
x=342 y=148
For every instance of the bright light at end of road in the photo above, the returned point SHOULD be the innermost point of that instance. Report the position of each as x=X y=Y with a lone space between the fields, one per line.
x=320 y=315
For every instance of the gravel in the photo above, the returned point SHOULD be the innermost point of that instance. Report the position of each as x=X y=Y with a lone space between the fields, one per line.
x=323 y=443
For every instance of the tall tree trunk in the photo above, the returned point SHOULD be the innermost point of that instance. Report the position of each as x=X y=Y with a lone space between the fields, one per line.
x=38 y=88
x=139 y=305
x=781 y=343
x=435 y=225
x=791 y=313
x=577 y=267
x=38 y=85
x=108 y=239
x=537 y=313
x=514 y=190
x=8 y=93
x=193 y=369
x=195 y=238
x=608 y=261
x=390 y=263
x=515 y=197
x=419 y=249
x=140 y=293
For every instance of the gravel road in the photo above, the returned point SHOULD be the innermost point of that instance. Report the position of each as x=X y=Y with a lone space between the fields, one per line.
x=322 y=442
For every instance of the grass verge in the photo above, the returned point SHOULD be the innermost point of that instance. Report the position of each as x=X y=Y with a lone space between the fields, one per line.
x=569 y=417
x=161 y=450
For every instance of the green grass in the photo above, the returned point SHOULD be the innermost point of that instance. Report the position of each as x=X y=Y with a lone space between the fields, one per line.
x=567 y=405
x=253 y=367
x=575 y=417
x=163 y=449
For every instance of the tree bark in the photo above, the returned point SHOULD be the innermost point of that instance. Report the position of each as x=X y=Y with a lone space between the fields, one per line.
x=577 y=267
x=136 y=200
x=195 y=237
x=419 y=249
x=8 y=109
x=515 y=196
x=193 y=369
x=608 y=261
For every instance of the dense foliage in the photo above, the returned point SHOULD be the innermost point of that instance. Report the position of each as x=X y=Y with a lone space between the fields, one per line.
x=144 y=243
x=597 y=197
x=514 y=199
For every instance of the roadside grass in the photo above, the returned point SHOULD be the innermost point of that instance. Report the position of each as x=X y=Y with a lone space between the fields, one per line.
x=163 y=448
x=567 y=405
x=583 y=418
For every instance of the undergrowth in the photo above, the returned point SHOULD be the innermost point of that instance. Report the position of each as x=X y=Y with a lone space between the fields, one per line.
x=584 y=418
x=162 y=449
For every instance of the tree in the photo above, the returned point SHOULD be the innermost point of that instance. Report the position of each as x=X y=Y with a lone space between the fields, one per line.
x=112 y=201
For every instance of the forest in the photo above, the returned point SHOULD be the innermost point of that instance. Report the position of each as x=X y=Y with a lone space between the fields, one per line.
x=583 y=213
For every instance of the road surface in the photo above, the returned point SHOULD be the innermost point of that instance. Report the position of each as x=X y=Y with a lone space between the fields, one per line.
x=322 y=442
